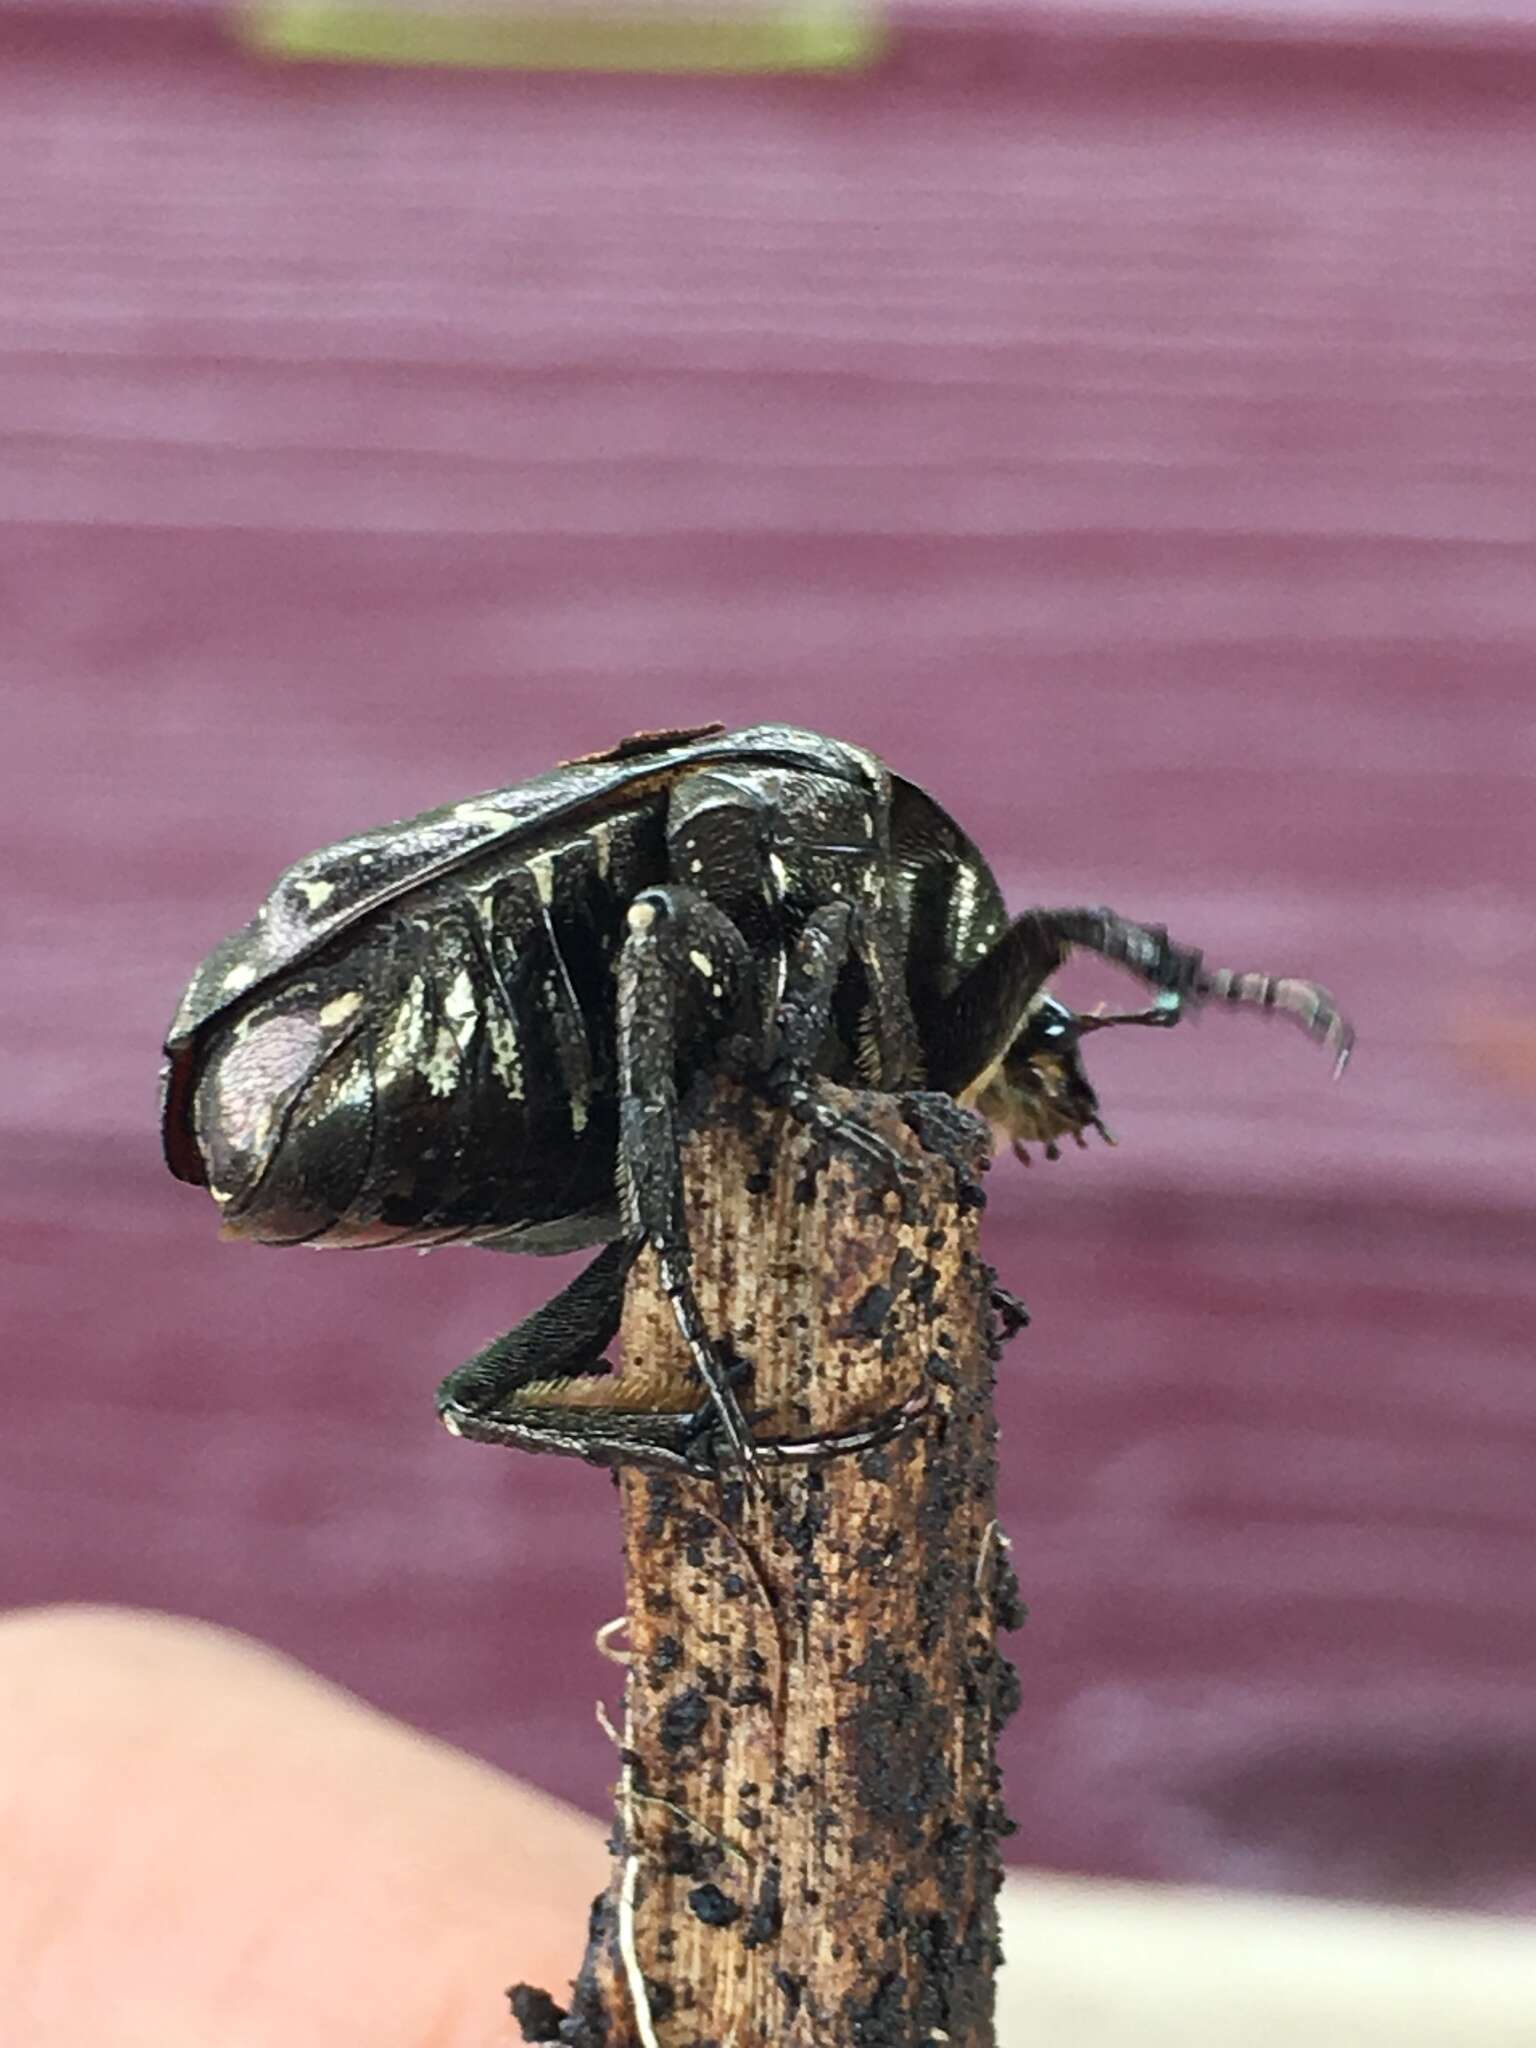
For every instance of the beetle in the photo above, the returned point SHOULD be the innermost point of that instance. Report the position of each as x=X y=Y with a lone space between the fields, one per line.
x=472 y=1026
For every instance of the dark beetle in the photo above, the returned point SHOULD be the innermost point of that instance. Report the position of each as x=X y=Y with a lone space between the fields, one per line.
x=472 y=1026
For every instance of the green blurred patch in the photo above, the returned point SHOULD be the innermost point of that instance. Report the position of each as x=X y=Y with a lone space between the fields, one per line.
x=834 y=35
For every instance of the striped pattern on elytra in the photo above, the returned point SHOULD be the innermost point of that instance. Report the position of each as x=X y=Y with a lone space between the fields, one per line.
x=475 y=1084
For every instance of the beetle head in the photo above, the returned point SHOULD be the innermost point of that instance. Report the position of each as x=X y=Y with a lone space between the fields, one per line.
x=1039 y=1092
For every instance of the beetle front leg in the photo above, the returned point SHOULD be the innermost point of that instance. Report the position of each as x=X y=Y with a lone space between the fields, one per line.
x=1182 y=971
x=984 y=1012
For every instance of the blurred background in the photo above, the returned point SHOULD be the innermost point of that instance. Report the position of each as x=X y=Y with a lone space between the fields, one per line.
x=1124 y=422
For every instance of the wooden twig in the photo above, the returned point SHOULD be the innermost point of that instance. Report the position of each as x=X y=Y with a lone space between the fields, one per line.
x=806 y=1843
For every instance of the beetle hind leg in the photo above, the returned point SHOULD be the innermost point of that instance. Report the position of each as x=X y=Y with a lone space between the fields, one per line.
x=545 y=1385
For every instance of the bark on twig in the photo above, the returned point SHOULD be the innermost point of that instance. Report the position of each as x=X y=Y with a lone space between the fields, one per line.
x=805 y=1852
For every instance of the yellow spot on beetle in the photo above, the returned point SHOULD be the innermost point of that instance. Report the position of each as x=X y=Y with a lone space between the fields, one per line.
x=480 y=814
x=542 y=868
x=506 y=1055
x=460 y=1008
x=601 y=836
x=440 y=1069
x=340 y=1008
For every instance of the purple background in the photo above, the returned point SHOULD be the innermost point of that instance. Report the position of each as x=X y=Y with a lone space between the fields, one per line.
x=1131 y=435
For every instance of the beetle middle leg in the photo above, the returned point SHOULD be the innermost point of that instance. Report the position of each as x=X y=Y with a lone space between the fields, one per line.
x=799 y=863
x=784 y=853
x=684 y=957
x=801 y=1022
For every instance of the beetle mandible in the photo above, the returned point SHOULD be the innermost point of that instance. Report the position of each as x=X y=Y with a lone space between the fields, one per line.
x=471 y=1026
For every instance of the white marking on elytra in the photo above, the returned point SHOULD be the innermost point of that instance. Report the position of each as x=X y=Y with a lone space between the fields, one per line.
x=703 y=963
x=461 y=1008
x=440 y=1068
x=542 y=868
x=601 y=836
x=404 y=1047
x=695 y=867
x=506 y=1053
x=500 y=1030
x=340 y=1008
x=641 y=917
x=316 y=893
x=240 y=976
x=351 y=1090
x=964 y=902
x=780 y=874
x=560 y=1000
x=474 y=813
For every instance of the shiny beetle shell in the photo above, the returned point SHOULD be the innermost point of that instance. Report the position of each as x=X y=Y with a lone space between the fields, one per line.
x=329 y=1038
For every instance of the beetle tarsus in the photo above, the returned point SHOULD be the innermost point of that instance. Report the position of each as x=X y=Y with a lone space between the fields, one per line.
x=1011 y=1313
x=883 y=1429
